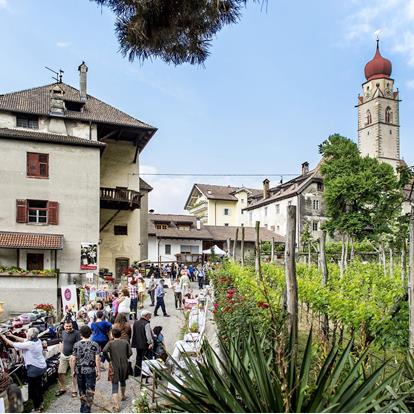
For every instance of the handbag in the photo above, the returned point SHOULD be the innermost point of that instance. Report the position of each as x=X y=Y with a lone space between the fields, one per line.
x=110 y=372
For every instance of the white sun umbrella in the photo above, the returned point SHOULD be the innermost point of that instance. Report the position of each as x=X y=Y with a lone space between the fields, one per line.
x=215 y=250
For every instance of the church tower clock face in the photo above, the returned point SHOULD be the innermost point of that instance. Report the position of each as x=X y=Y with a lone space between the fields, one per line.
x=378 y=113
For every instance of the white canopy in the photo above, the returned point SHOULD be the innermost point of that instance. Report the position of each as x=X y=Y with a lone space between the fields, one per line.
x=215 y=250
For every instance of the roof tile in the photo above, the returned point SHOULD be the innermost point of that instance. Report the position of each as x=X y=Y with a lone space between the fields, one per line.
x=16 y=240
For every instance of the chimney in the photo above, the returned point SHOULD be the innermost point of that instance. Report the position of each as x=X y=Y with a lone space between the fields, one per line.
x=57 y=105
x=305 y=168
x=83 y=69
x=265 y=189
x=198 y=224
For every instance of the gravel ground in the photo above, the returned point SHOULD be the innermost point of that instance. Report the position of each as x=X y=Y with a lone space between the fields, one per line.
x=102 y=403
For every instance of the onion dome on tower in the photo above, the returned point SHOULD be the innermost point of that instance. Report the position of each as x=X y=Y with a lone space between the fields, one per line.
x=378 y=67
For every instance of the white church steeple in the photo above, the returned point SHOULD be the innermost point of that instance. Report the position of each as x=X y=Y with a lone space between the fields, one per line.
x=378 y=113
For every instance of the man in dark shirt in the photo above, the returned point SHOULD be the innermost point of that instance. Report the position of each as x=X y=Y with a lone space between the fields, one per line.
x=142 y=340
x=69 y=337
x=86 y=364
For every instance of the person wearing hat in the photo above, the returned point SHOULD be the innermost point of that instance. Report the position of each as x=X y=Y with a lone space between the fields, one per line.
x=142 y=340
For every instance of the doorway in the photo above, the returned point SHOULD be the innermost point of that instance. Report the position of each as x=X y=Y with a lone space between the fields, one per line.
x=35 y=261
x=121 y=264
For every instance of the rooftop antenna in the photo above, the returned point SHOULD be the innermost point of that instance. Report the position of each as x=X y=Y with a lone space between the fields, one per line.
x=58 y=75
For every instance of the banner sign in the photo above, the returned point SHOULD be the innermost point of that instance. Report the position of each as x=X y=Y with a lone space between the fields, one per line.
x=69 y=298
x=89 y=255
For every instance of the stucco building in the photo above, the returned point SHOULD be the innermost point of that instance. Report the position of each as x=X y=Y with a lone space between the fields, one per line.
x=71 y=197
x=218 y=205
x=184 y=237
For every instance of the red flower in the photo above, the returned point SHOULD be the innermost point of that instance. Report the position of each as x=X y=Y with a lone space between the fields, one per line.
x=216 y=305
x=262 y=305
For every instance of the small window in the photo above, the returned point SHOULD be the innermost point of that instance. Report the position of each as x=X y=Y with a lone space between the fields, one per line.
x=277 y=206
x=226 y=211
x=74 y=106
x=265 y=211
x=37 y=211
x=390 y=131
x=183 y=227
x=168 y=249
x=320 y=186
x=37 y=165
x=189 y=249
x=161 y=226
x=121 y=230
x=388 y=115
x=27 y=121
x=315 y=204
x=226 y=224
x=315 y=226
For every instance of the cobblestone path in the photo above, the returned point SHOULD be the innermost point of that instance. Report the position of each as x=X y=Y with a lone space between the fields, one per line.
x=171 y=330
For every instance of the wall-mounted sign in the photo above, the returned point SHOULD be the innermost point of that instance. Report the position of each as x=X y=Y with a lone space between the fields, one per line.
x=89 y=256
x=69 y=298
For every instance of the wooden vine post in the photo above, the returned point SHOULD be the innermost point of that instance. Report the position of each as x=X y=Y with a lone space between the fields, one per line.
x=272 y=251
x=235 y=243
x=290 y=273
x=324 y=269
x=228 y=244
x=257 y=249
x=242 y=246
x=411 y=284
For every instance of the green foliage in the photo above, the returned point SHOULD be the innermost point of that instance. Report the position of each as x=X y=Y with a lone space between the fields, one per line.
x=243 y=378
x=179 y=31
x=363 y=196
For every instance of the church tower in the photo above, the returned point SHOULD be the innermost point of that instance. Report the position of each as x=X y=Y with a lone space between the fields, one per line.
x=378 y=113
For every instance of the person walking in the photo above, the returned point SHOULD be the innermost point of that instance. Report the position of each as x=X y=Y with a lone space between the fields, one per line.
x=159 y=294
x=123 y=325
x=69 y=338
x=178 y=298
x=118 y=352
x=151 y=289
x=124 y=303
x=142 y=340
x=85 y=363
x=34 y=361
x=133 y=294
x=184 y=282
x=200 y=277
x=100 y=332
x=141 y=291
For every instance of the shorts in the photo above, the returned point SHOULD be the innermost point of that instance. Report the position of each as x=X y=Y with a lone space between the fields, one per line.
x=64 y=364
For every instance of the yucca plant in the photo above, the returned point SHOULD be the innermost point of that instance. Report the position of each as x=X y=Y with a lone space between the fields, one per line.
x=239 y=377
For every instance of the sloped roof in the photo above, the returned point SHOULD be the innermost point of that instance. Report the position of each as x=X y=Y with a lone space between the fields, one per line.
x=17 y=240
x=22 y=134
x=143 y=185
x=37 y=101
x=213 y=233
x=173 y=232
x=288 y=189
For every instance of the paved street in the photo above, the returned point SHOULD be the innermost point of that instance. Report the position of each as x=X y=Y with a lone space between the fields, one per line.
x=171 y=330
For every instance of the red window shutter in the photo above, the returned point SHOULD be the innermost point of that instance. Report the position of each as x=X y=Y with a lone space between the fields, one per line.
x=21 y=211
x=33 y=168
x=52 y=212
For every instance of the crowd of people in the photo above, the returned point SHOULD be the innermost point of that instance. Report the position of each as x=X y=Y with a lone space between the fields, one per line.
x=107 y=332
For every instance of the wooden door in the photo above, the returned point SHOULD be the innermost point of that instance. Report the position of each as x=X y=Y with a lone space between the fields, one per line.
x=121 y=264
x=35 y=261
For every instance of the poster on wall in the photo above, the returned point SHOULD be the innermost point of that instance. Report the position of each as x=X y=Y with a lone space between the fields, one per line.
x=89 y=255
x=69 y=298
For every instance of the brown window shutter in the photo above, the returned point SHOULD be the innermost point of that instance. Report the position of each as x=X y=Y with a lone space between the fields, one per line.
x=33 y=168
x=21 y=211
x=52 y=212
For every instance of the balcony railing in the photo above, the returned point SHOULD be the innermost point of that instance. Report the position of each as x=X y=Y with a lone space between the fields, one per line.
x=120 y=198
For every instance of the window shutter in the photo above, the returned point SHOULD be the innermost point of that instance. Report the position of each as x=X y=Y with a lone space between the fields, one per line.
x=52 y=212
x=33 y=168
x=21 y=211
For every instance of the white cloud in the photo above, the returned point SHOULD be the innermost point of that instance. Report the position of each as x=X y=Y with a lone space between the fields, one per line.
x=62 y=44
x=393 y=19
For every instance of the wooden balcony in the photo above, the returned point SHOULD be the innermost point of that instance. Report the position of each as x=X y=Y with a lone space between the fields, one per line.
x=120 y=198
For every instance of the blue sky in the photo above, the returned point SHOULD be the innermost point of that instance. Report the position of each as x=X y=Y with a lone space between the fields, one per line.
x=275 y=86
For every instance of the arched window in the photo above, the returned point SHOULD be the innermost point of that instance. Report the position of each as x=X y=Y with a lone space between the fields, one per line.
x=368 y=119
x=388 y=115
